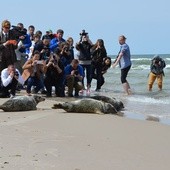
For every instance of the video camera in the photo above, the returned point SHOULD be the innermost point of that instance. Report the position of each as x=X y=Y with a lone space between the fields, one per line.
x=17 y=32
x=83 y=33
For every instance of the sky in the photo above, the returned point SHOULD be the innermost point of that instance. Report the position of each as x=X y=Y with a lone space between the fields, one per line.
x=145 y=23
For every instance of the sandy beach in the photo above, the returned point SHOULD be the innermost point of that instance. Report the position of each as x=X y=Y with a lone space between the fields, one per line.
x=48 y=139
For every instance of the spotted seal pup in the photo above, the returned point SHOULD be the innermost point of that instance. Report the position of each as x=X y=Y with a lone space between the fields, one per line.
x=118 y=105
x=86 y=105
x=22 y=103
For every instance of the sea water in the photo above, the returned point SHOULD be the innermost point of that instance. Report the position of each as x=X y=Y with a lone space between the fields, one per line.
x=142 y=102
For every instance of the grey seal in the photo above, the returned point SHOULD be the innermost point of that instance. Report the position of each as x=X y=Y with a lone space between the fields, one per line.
x=118 y=105
x=21 y=103
x=86 y=105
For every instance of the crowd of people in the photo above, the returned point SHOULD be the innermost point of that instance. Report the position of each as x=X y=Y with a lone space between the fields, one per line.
x=37 y=62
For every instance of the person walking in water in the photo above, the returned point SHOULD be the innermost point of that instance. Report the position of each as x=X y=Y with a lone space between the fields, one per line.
x=124 y=60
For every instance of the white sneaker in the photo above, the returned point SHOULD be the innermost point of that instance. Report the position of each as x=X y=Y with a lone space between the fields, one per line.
x=12 y=96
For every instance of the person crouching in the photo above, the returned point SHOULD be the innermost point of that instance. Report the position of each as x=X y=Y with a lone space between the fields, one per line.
x=74 y=75
x=10 y=77
x=33 y=71
x=54 y=76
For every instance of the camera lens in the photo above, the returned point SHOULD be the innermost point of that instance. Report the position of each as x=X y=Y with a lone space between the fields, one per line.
x=16 y=73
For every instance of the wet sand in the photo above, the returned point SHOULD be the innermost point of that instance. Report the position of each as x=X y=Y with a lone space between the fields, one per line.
x=48 y=139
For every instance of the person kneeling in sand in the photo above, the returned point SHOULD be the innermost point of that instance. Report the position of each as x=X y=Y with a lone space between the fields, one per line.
x=156 y=72
x=74 y=75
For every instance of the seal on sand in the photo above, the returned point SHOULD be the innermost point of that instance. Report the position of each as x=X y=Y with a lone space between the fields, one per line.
x=21 y=103
x=86 y=105
x=118 y=105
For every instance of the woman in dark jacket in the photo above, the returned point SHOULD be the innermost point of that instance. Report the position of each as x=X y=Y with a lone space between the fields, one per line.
x=98 y=55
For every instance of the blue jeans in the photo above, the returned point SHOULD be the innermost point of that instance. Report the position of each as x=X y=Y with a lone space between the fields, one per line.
x=34 y=81
x=88 y=74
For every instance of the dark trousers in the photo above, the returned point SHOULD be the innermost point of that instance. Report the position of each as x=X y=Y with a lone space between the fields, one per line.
x=97 y=73
x=9 y=89
x=34 y=81
x=58 y=84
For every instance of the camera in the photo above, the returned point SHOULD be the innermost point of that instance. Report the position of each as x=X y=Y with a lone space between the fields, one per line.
x=157 y=62
x=66 y=49
x=17 y=32
x=76 y=72
x=39 y=62
x=16 y=73
x=54 y=60
x=83 y=33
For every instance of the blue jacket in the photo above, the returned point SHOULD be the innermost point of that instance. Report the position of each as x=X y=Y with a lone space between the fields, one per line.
x=54 y=43
x=69 y=68
x=27 y=44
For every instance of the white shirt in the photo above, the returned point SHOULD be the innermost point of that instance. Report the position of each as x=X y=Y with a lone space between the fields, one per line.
x=7 y=79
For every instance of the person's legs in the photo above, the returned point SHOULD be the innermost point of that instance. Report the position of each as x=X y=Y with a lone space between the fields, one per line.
x=88 y=75
x=78 y=86
x=126 y=86
x=151 y=80
x=70 y=84
x=4 y=92
x=13 y=86
x=84 y=67
x=39 y=84
x=102 y=80
x=60 y=87
x=99 y=77
x=159 y=81
x=48 y=86
x=30 y=83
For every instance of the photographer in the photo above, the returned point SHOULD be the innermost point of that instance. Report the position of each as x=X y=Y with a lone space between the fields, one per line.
x=33 y=71
x=43 y=48
x=24 y=43
x=10 y=77
x=64 y=53
x=54 y=43
x=157 y=66
x=54 y=76
x=22 y=35
x=74 y=76
x=84 y=47
x=7 y=46
x=98 y=55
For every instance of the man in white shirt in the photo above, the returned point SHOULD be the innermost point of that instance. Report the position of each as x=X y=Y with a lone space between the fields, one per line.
x=10 y=77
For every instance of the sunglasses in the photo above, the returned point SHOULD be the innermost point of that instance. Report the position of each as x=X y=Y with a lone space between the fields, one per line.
x=7 y=27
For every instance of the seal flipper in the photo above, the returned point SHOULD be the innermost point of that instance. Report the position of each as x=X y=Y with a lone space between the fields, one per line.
x=57 y=106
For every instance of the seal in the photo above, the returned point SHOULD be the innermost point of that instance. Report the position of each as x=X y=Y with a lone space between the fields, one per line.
x=118 y=105
x=86 y=105
x=21 y=103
